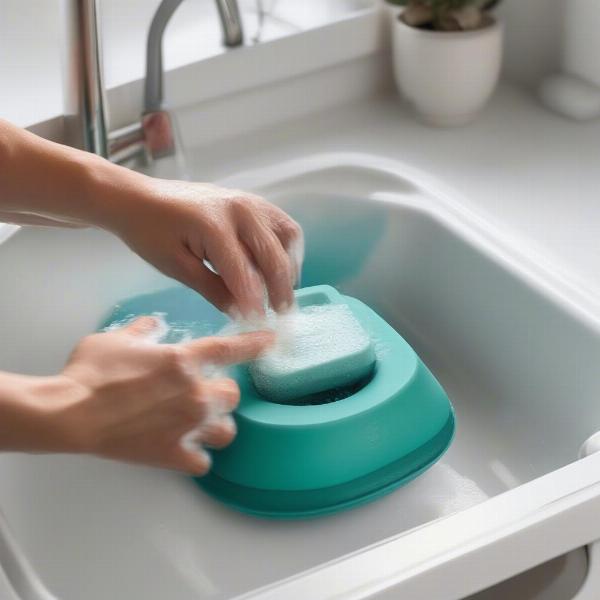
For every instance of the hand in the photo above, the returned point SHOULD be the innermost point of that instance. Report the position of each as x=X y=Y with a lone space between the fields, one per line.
x=175 y=225
x=123 y=396
x=252 y=244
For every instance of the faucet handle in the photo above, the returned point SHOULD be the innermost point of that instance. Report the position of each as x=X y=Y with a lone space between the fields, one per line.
x=157 y=127
x=141 y=143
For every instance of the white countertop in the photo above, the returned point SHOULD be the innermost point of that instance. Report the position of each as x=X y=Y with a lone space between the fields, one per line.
x=532 y=174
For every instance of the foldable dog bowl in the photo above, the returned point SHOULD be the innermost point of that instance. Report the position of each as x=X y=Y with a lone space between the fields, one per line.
x=334 y=450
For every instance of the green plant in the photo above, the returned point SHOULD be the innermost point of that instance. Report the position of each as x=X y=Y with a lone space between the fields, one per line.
x=446 y=15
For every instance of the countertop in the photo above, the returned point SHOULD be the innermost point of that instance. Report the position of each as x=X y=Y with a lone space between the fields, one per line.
x=534 y=175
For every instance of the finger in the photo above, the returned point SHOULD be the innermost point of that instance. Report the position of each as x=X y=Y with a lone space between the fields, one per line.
x=197 y=462
x=238 y=274
x=223 y=395
x=229 y=350
x=287 y=230
x=141 y=327
x=273 y=262
x=192 y=271
x=292 y=239
x=218 y=433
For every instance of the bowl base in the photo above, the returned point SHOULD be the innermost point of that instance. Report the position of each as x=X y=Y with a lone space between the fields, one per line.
x=306 y=504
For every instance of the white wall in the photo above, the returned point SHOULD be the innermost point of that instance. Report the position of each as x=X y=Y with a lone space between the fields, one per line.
x=30 y=36
x=30 y=74
x=533 y=37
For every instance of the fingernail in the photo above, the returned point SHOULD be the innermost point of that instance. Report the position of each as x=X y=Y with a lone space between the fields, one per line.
x=229 y=423
x=221 y=409
x=217 y=409
x=253 y=315
x=286 y=307
x=233 y=313
x=189 y=441
x=248 y=316
x=206 y=457
x=160 y=328
x=295 y=251
x=282 y=307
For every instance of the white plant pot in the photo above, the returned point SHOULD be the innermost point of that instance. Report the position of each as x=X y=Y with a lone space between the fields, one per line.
x=447 y=76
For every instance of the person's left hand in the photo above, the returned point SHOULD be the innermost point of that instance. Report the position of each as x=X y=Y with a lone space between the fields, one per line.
x=178 y=226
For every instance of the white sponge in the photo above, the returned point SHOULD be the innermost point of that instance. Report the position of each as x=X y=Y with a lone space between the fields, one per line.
x=319 y=348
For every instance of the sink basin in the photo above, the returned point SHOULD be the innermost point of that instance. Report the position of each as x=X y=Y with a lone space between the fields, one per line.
x=514 y=350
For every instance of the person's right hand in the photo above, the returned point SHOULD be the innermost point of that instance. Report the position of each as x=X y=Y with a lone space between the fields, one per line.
x=251 y=244
x=126 y=397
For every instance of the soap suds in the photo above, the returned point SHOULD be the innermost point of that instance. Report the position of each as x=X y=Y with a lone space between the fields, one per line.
x=306 y=339
x=171 y=332
x=312 y=336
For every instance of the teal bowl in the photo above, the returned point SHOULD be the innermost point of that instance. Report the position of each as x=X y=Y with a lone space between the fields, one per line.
x=326 y=454
x=323 y=452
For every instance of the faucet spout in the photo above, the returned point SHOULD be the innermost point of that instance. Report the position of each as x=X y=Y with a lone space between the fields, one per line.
x=231 y=25
x=231 y=22
x=86 y=119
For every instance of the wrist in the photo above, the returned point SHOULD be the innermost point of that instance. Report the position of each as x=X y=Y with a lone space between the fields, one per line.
x=36 y=414
x=68 y=185
x=113 y=194
x=26 y=409
x=59 y=400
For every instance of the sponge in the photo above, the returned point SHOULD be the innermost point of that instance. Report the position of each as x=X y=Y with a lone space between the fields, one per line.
x=320 y=347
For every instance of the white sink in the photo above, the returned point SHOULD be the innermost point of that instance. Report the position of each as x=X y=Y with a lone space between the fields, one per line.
x=517 y=355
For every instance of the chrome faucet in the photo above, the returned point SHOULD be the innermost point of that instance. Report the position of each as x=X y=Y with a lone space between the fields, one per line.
x=86 y=121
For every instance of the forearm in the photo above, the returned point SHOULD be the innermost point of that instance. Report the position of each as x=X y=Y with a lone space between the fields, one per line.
x=42 y=182
x=30 y=414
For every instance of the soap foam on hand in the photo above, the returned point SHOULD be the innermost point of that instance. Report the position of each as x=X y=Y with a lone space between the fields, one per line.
x=318 y=348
